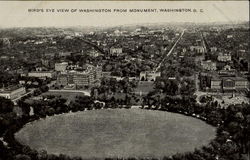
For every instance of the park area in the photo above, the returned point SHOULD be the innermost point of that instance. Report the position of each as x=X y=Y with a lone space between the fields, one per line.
x=117 y=133
x=144 y=87
x=69 y=95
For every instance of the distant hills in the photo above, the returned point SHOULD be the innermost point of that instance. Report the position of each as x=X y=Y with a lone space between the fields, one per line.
x=56 y=31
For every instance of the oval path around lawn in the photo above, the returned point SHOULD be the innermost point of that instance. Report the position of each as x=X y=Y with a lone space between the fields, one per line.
x=117 y=133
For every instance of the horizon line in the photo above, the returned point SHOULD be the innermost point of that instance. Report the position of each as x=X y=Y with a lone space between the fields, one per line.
x=131 y=24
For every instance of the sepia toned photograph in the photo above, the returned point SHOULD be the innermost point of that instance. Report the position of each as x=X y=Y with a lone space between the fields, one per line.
x=124 y=80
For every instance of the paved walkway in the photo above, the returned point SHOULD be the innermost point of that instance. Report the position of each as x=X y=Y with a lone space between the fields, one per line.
x=18 y=98
x=87 y=93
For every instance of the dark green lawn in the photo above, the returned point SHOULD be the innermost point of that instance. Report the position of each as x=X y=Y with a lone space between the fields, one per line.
x=145 y=87
x=117 y=133
x=70 y=96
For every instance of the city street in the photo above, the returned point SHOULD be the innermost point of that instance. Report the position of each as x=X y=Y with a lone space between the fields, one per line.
x=170 y=51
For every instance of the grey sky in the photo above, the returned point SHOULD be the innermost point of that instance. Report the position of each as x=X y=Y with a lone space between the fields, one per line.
x=15 y=13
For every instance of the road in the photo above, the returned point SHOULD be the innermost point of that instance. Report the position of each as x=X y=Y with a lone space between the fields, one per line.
x=31 y=92
x=18 y=98
x=95 y=46
x=197 y=92
x=203 y=42
x=170 y=51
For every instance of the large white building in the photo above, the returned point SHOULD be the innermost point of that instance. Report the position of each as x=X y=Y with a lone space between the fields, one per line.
x=12 y=93
x=224 y=57
x=42 y=74
x=61 y=67
x=149 y=75
x=208 y=65
x=229 y=83
x=213 y=49
x=115 y=51
x=80 y=78
x=198 y=49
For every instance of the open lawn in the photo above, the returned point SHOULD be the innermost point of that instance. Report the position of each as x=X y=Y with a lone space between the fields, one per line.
x=70 y=96
x=144 y=87
x=117 y=133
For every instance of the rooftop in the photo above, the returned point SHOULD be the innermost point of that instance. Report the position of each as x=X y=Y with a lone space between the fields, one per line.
x=9 y=89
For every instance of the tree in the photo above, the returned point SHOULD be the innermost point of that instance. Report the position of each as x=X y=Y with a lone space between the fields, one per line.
x=42 y=155
x=229 y=148
x=22 y=157
x=37 y=92
x=6 y=105
x=143 y=78
x=214 y=118
x=248 y=94
x=24 y=106
x=44 y=88
x=187 y=87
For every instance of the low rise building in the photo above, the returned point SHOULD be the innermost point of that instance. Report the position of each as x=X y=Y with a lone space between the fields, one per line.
x=98 y=72
x=229 y=36
x=231 y=72
x=216 y=83
x=83 y=78
x=93 y=53
x=63 y=79
x=80 y=78
x=61 y=67
x=241 y=83
x=198 y=49
x=224 y=57
x=115 y=51
x=223 y=82
x=229 y=83
x=149 y=75
x=208 y=65
x=12 y=92
x=227 y=67
x=213 y=49
x=42 y=74
x=64 y=54
x=241 y=54
x=49 y=63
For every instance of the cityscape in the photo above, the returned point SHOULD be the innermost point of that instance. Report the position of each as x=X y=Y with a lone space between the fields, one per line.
x=148 y=91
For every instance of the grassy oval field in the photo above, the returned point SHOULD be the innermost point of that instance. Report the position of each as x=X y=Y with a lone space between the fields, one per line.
x=117 y=133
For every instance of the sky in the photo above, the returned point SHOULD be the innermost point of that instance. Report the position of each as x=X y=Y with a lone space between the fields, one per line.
x=15 y=13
